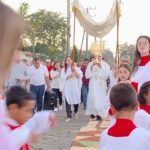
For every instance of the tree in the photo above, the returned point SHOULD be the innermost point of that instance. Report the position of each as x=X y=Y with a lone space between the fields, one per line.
x=127 y=50
x=47 y=28
x=23 y=9
x=108 y=57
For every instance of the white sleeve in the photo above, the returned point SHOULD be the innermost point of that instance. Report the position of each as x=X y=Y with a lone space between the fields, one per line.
x=79 y=72
x=62 y=80
x=29 y=71
x=142 y=119
x=13 y=139
x=21 y=135
x=103 y=73
x=54 y=74
x=88 y=72
x=106 y=70
x=107 y=101
x=45 y=71
x=25 y=74
x=39 y=122
x=63 y=74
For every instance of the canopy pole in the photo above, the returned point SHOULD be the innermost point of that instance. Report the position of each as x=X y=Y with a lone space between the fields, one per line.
x=74 y=34
x=117 y=40
x=81 y=46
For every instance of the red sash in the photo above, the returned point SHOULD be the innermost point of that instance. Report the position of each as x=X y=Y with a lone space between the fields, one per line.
x=23 y=147
x=110 y=112
x=122 y=128
x=146 y=108
x=144 y=60
x=135 y=85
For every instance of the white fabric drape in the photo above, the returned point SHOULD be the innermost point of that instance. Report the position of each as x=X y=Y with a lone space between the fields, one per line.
x=99 y=29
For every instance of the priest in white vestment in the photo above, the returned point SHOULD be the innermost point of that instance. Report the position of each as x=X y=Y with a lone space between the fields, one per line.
x=97 y=72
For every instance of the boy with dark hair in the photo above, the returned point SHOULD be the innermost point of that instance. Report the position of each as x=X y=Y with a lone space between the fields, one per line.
x=124 y=135
x=20 y=105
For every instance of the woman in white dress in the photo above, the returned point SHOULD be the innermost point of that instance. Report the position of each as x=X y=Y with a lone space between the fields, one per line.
x=98 y=73
x=71 y=77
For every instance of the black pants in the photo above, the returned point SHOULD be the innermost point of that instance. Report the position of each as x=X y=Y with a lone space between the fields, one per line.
x=68 y=109
x=59 y=95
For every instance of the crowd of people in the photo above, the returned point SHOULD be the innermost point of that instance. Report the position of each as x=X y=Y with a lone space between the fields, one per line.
x=120 y=93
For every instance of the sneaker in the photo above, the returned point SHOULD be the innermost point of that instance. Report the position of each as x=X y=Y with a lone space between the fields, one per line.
x=60 y=107
x=98 y=118
x=68 y=119
x=92 y=116
x=55 y=109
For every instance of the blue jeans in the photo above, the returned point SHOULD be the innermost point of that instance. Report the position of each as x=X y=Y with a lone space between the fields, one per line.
x=84 y=93
x=38 y=92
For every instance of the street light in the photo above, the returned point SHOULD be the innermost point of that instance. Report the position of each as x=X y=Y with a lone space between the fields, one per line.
x=68 y=28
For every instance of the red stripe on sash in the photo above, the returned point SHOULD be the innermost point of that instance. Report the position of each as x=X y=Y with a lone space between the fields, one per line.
x=122 y=128
x=135 y=85
x=144 y=60
x=110 y=112
x=145 y=108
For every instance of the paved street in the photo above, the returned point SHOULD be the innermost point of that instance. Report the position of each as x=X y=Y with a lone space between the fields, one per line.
x=61 y=137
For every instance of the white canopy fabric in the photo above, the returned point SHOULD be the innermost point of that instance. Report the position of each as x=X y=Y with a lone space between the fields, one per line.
x=98 y=29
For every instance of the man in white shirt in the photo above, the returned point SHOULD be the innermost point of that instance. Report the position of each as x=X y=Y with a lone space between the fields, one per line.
x=39 y=76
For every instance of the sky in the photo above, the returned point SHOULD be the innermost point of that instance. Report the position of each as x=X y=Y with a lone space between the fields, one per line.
x=134 y=19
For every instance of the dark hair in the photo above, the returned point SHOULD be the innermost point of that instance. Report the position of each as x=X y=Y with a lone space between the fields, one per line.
x=125 y=66
x=35 y=59
x=143 y=90
x=123 y=97
x=86 y=59
x=91 y=58
x=137 y=54
x=54 y=68
x=18 y=95
x=65 y=66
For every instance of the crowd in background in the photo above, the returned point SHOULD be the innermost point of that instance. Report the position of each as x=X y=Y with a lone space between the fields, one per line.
x=84 y=84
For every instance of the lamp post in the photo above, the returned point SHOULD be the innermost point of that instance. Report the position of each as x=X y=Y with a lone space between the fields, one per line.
x=68 y=28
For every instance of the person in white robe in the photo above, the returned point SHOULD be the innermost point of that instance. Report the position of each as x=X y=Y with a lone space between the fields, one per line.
x=124 y=134
x=98 y=73
x=17 y=125
x=141 y=66
x=71 y=82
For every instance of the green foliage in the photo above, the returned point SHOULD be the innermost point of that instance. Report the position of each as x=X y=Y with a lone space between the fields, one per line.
x=108 y=57
x=127 y=50
x=47 y=28
x=45 y=31
x=47 y=52
x=85 y=54
x=23 y=9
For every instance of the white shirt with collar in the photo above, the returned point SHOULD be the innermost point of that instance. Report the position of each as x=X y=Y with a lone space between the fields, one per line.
x=37 y=75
